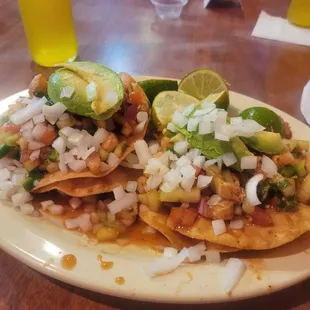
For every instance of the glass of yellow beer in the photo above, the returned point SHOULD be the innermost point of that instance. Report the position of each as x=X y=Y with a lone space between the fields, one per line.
x=299 y=13
x=49 y=30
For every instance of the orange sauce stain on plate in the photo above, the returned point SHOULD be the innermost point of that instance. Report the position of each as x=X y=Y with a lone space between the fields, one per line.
x=120 y=280
x=68 y=261
x=104 y=265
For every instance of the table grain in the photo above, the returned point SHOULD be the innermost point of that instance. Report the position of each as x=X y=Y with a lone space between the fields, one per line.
x=125 y=35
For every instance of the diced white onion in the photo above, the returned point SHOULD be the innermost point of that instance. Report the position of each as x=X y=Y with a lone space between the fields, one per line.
x=27 y=125
x=153 y=166
x=31 y=110
x=170 y=252
x=205 y=127
x=187 y=183
x=193 y=124
x=183 y=161
x=53 y=112
x=153 y=147
x=234 y=270
x=63 y=167
x=214 y=199
x=75 y=202
x=188 y=171
x=77 y=165
x=142 y=151
x=35 y=154
x=45 y=204
x=91 y=92
x=181 y=147
x=195 y=252
x=154 y=181
x=56 y=209
x=75 y=138
x=164 y=265
x=59 y=145
x=131 y=186
x=236 y=224
x=192 y=154
x=89 y=152
x=179 y=119
x=99 y=137
x=5 y=174
x=213 y=257
x=199 y=161
x=113 y=160
x=20 y=198
x=209 y=163
x=67 y=131
x=248 y=162
x=38 y=119
x=251 y=190
x=203 y=181
x=38 y=131
x=33 y=145
x=219 y=227
x=142 y=117
x=119 y=192
x=269 y=166
x=67 y=92
x=220 y=162
x=140 y=127
x=236 y=120
x=26 y=208
x=125 y=203
x=220 y=136
x=66 y=158
x=229 y=159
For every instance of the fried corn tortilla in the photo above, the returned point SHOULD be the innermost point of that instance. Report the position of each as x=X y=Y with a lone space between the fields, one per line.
x=287 y=227
x=81 y=187
x=159 y=222
x=177 y=240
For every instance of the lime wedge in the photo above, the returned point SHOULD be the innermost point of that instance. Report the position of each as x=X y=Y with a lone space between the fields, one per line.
x=221 y=100
x=153 y=87
x=166 y=103
x=203 y=82
x=265 y=117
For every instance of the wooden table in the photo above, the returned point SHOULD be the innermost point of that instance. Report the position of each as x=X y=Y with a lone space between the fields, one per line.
x=126 y=36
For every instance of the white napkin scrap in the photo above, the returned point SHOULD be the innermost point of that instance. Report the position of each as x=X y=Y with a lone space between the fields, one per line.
x=305 y=103
x=280 y=29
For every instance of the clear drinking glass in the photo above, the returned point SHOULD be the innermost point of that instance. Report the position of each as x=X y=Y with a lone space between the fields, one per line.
x=169 y=9
x=49 y=30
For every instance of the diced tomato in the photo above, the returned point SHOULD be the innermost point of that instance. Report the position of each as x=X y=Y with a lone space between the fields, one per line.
x=48 y=137
x=10 y=127
x=138 y=96
x=261 y=217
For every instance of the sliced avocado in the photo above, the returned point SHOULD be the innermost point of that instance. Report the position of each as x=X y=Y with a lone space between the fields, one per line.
x=78 y=75
x=266 y=142
x=240 y=150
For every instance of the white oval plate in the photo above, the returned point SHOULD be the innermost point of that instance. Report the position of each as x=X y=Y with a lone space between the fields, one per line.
x=40 y=245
